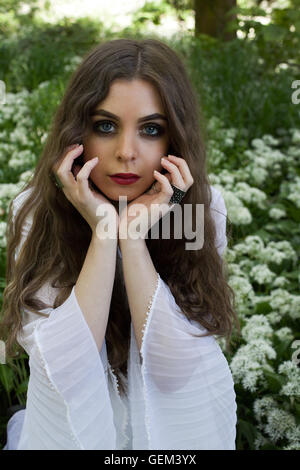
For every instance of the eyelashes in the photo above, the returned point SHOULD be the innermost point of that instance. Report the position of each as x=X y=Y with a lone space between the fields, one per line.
x=159 y=129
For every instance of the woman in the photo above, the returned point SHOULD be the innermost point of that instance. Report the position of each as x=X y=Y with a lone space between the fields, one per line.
x=119 y=324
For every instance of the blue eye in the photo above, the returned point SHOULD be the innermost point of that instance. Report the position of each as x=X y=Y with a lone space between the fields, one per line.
x=97 y=128
x=157 y=128
x=104 y=123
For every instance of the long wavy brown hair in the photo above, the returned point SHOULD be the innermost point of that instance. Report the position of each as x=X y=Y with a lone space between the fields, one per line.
x=197 y=278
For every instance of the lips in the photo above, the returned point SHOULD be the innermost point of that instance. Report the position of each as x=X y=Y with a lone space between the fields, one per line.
x=124 y=178
x=125 y=175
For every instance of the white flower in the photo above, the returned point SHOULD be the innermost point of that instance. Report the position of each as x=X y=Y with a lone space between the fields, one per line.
x=258 y=143
x=294 y=312
x=248 y=362
x=235 y=270
x=262 y=406
x=250 y=195
x=19 y=136
x=284 y=334
x=281 y=281
x=240 y=215
x=294 y=191
x=278 y=423
x=21 y=159
x=44 y=84
x=292 y=447
x=276 y=252
x=227 y=177
x=295 y=136
x=26 y=176
x=214 y=123
x=241 y=285
x=228 y=142
x=216 y=155
x=293 y=435
x=9 y=190
x=252 y=246
x=276 y=213
x=3 y=241
x=257 y=174
x=270 y=140
x=230 y=255
x=293 y=152
x=274 y=317
x=280 y=300
x=257 y=327
x=262 y=274
x=259 y=441
x=291 y=370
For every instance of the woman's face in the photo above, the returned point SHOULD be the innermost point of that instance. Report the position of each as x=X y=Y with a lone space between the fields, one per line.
x=123 y=143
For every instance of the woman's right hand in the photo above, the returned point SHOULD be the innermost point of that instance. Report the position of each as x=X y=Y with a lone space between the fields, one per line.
x=80 y=193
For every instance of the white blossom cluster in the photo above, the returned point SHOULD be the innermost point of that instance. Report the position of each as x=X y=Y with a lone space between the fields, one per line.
x=261 y=261
x=71 y=63
x=291 y=190
x=275 y=423
x=16 y=145
x=274 y=252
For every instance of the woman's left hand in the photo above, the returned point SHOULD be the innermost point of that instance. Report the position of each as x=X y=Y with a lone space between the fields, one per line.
x=160 y=194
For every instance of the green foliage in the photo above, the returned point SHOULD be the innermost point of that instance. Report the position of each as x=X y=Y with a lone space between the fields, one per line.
x=45 y=49
x=234 y=83
x=279 y=40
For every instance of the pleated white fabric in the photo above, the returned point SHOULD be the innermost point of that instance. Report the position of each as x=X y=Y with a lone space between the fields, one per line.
x=180 y=388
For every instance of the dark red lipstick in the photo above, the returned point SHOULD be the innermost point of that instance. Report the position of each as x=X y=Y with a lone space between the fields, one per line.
x=124 y=178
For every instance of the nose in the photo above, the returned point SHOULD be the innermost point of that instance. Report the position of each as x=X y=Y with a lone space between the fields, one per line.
x=126 y=148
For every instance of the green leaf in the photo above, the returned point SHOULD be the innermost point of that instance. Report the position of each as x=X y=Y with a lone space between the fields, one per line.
x=263 y=308
x=6 y=378
x=22 y=387
x=247 y=430
x=275 y=381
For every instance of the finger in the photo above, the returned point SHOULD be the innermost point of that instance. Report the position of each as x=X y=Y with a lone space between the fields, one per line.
x=67 y=149
x=177 y=178
x=70 y=147
x=82 y=177
x=166 y=188
x=184 y=169
x=64 y=171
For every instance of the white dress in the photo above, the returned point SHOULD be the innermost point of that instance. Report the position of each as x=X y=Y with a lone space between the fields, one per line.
x=181 y=396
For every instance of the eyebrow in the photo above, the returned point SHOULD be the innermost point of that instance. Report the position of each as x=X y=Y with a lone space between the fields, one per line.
x=103 y=112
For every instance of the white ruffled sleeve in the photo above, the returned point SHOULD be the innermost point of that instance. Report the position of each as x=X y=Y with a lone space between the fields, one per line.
x=188 y=386
x=68 y=404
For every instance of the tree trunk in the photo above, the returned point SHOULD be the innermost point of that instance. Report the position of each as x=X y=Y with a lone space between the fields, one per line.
x=211 y=19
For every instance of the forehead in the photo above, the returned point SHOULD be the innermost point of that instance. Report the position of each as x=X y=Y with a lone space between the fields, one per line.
x=137 y=96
